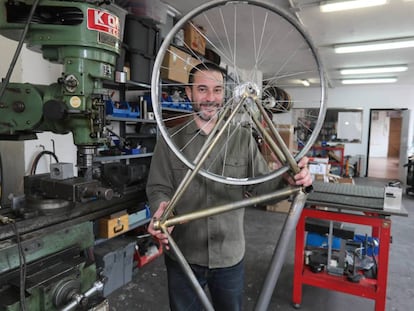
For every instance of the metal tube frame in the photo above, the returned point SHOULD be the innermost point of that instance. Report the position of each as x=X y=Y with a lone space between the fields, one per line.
x=167 y=220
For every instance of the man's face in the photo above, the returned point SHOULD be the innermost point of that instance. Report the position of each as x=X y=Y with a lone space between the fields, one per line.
x=206 y=94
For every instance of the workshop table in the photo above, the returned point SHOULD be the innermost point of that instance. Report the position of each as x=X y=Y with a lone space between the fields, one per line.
x=361 y=205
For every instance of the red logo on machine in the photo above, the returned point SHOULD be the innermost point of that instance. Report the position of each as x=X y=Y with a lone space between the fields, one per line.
x=103 y=21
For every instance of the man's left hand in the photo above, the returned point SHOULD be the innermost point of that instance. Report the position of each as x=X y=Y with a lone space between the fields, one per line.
x=303 y=178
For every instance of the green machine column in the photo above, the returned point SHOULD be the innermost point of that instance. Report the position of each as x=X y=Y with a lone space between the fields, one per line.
x=85 y=38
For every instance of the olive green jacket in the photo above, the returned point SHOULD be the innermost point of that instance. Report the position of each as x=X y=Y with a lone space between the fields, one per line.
x=216 y=241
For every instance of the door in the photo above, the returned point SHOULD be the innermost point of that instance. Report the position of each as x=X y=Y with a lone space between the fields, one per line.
x=387 y=134
x=394 y=138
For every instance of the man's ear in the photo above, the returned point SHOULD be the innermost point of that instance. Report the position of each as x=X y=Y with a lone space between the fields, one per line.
x=188 y=93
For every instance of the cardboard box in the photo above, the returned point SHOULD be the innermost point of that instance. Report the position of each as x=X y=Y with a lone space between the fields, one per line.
x=177 y=64
x=286 y=132
x=345 y=180
x=193 y=37
x=318 y=166
x=281 y=207
x=113 y=225
x=320 y=177
x=319 y=169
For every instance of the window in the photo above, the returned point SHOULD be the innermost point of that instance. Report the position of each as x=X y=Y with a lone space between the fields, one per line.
x=340 y=125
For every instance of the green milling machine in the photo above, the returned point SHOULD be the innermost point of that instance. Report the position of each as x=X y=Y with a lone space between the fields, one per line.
x=46 y=238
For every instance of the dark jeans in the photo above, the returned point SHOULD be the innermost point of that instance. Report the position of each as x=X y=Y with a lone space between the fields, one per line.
x=224 y=284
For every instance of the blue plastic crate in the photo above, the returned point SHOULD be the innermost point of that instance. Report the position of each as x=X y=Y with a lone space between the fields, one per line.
x=321 y=241
x=370 y=244
x=139 y=216
x=120 y=109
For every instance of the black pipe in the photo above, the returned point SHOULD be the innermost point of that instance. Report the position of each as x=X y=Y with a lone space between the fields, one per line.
x=36 y=160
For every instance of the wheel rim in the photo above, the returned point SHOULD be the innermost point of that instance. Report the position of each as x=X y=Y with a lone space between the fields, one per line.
x=222 y=17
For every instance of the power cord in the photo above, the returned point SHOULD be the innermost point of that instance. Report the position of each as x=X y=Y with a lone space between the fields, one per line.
x=36 y=160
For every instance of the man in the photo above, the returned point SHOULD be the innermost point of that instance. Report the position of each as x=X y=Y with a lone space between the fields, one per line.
x=213 y=246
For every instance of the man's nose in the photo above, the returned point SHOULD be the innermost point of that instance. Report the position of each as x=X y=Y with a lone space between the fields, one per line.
x=210 y=96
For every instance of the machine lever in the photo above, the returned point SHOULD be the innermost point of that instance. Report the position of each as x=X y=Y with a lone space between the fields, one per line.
x=81 y=299
x=6 y=220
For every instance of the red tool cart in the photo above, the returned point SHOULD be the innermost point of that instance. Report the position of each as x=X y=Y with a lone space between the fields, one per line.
x=354 y=205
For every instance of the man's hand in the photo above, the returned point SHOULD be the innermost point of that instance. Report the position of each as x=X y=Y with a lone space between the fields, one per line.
x=303 y=178
x=158 y=234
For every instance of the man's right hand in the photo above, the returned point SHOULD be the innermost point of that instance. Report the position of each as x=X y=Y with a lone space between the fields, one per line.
x=158 y=234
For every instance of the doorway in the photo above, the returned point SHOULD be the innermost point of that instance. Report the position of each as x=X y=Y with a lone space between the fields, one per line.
x=384 y=143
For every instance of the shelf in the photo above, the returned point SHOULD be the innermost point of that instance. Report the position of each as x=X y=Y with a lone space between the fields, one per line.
x=130 y=227
x=177 y=110
x=139 y=135
x=366 y=287
x=122 y=157
x=132 y=120
x=129 y=85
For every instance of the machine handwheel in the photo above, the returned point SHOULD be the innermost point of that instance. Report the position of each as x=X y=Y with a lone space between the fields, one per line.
x=268 y=57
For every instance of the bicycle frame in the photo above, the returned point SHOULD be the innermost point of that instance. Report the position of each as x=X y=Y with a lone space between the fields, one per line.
x=168 y=220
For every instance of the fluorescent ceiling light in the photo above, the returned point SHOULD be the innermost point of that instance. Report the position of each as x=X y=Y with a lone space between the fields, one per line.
x=369 y=81
x=374 y=46
x=334 y=6
x=305 y=82
x=370 y=70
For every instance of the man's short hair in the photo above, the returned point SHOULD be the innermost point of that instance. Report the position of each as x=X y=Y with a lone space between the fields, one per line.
x=204 y=66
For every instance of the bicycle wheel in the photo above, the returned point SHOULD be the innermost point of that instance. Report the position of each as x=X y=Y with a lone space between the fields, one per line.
x=265 y=54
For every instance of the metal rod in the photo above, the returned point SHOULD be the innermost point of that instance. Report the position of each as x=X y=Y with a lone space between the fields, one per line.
x=77 y=299
x=188 y=271
x=189 y=176
x=269 y=140
x=289 y=157
x=330 y=234
x=176 y=220
x=280 y=251
x=201 y=157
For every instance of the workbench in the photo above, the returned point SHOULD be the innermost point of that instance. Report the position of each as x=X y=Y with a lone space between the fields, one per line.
x=347 y=203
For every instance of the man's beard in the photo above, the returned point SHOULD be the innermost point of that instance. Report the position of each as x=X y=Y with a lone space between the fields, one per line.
x=201 y=114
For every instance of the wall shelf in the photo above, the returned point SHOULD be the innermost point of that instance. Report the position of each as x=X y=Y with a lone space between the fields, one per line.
x=131 y=120
x=122 y=157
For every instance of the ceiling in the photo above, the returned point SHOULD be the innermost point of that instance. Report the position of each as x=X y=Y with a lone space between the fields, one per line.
x=392 y=20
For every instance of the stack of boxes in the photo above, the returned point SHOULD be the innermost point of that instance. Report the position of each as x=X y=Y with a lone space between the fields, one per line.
x=319 y=168
x=178 y=62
